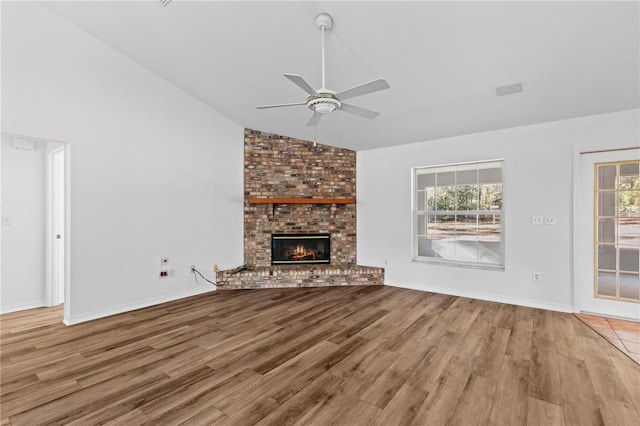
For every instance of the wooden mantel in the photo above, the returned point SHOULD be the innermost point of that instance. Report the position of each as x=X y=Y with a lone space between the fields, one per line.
x=301 y=200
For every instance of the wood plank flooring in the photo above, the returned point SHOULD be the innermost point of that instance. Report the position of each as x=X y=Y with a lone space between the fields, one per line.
x=372 y=355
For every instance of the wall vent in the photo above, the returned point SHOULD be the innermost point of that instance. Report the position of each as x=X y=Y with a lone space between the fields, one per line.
x=23 y=144
x=163 y=3
x=509 y=90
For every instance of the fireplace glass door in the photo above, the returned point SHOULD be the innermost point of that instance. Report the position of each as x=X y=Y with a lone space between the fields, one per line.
x=297 y=249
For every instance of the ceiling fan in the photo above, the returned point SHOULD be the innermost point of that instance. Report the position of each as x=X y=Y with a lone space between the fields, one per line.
x=323 y=100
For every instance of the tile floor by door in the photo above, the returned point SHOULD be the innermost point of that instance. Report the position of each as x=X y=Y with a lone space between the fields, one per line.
x=625 y=335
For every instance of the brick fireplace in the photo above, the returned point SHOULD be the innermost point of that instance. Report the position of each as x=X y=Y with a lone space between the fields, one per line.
x=294 y=187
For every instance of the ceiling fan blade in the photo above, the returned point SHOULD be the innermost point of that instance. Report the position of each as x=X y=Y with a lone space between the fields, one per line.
x=302 y=83
x=280 y=105
x=362 y=112
x=315 y=119
x=363 y=89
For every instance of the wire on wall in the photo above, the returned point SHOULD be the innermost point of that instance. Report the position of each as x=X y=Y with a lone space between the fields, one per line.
x=196 y=273
x=229 y=274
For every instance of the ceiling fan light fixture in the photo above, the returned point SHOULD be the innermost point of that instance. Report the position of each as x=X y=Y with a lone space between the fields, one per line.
x=324 y=108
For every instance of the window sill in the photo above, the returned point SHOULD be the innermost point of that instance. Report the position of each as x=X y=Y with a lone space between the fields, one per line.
x=456 y=264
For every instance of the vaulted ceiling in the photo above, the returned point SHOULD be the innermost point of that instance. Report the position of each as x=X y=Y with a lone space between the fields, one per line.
x=443 y=60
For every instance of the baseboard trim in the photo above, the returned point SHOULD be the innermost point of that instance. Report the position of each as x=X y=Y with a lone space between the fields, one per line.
x=40 y=303
x=491 y=298
x=90 y=316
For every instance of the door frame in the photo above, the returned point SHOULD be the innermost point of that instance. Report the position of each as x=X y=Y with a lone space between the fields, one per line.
x=575 y=201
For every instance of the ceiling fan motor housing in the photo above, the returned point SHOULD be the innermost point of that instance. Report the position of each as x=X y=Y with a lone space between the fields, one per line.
x=324 y=103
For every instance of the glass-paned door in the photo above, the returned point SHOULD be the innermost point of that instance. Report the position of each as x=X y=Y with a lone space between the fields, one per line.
x=607 y=233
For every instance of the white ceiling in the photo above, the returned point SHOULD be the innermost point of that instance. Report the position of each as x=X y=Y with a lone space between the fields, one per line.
x=443 y=60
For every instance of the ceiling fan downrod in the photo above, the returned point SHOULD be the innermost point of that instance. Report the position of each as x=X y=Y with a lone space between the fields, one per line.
x=324 y=22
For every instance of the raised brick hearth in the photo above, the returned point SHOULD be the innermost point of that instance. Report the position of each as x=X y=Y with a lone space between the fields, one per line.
x=281 y=167
x=302 y=276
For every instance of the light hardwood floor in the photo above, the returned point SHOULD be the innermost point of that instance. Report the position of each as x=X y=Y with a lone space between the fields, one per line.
x=339 y=355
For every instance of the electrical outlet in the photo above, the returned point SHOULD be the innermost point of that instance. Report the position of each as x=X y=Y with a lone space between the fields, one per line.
x=536 y=277
x=537 y=220
x=164 y=260
x=550 y=220
x=166 y=273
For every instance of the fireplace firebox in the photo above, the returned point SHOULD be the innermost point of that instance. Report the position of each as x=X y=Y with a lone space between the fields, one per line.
x=300 y=249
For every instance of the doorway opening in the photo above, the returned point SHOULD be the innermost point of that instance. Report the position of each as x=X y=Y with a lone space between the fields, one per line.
x=35 y=223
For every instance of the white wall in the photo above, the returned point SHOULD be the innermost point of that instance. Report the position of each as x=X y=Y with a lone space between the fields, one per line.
x=538 y=177
x=154 y=172
x=23 y=237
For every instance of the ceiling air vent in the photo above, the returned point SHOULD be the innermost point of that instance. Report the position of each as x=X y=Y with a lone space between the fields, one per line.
x=163 y=3
x=509 y=90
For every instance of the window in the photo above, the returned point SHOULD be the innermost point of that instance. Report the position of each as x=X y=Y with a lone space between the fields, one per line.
x=458 y=216
x=617 y=236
